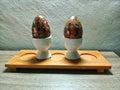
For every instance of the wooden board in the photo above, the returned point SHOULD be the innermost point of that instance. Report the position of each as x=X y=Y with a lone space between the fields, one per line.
x=89 y=59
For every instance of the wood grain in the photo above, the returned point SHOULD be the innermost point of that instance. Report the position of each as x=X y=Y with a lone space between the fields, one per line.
x=89 y=59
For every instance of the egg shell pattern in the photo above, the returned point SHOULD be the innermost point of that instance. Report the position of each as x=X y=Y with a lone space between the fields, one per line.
x=40 y=27
x=73 y=28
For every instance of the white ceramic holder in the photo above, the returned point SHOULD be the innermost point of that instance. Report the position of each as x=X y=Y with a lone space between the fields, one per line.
x=72 y=45
x=42 y=45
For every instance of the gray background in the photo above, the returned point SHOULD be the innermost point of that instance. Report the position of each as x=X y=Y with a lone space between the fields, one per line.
x=100 y=20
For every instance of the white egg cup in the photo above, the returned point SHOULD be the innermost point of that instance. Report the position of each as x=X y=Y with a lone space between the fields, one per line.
x=42 y=45
x=72 y=45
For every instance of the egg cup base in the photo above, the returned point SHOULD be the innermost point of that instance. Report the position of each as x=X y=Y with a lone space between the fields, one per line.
x=41 y=55
x=74 y=55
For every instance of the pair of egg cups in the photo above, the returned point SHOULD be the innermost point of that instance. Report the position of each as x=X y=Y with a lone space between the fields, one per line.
x=71 y=44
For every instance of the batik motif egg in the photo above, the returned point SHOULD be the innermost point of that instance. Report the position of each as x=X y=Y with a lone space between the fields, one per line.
x=40 y=27
x=73 y=28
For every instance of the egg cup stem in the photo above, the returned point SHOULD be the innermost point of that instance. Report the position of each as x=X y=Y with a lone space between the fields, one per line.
x=43 y=54
x=72 y=55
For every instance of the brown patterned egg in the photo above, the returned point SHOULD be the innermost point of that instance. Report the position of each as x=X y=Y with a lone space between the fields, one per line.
x=73 y=28
x=40 y=27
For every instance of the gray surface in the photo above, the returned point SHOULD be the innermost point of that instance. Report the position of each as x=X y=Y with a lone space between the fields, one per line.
x=30 y=79
x=100 y=20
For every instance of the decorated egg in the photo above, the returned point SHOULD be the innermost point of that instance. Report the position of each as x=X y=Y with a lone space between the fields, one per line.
x=73 y=28
x=40 y=27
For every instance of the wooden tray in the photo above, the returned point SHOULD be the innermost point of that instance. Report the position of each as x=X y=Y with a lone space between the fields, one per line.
x=90 y=59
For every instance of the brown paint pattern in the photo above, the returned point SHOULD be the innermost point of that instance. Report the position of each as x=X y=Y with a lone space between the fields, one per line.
x=40 y=27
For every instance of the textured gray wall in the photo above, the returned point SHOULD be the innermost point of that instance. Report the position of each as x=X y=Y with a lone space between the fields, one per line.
x=100 y=20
